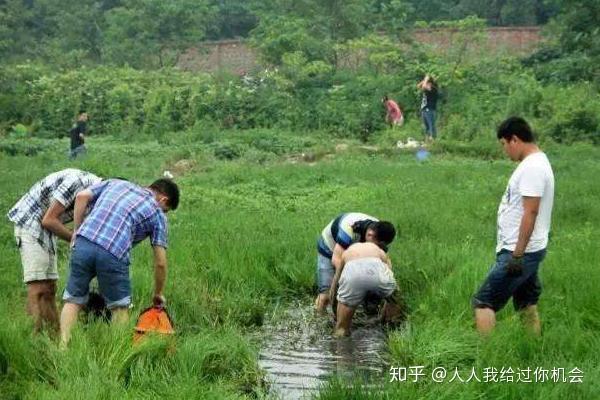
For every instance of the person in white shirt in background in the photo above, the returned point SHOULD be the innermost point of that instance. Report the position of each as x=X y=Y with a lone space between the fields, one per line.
x=524 y=217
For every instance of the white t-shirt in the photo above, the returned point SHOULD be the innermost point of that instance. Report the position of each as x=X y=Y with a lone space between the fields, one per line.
x=532 y=178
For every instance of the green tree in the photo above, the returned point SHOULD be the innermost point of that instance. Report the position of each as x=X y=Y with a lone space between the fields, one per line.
x=578 y=27
x=146 y=33
x=234 y=19
x=63 y=32
x=433 y=10
x=391 y=16
x=317 y=28
x=495 y=12
x=13 y=18
x=77 y=31
x=310 y=26
x=518 y=13
x=276 y=36
x=572 y=52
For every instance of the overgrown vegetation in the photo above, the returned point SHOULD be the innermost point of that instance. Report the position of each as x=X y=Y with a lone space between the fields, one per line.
x=150 y=33
x=244 y=240
x=323 y=76
x=299 y=95
x=264 y=160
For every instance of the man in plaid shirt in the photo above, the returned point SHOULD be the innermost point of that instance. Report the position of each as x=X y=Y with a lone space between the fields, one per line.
x=122 y=215
x=39 y=216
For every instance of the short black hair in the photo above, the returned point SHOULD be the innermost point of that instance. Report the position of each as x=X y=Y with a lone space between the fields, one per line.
x=515 y=126
x=384 y=231
x=82 y=111
x=168 y=188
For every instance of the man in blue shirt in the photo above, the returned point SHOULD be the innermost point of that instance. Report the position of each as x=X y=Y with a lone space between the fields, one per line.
x=122 y=215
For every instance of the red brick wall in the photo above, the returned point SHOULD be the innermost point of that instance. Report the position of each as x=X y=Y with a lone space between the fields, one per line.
x=226 y=55
x=235 y=56
x=515 y=39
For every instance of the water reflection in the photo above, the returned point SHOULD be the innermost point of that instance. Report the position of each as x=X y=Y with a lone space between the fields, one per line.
x=299 y=352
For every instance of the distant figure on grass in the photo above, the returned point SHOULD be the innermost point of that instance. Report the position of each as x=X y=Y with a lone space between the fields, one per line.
x=39 y=217
x=77 y=135
x=338 y=235
x=429 y=89
x=123 y=214
x=523 y=226
x=393 y=115
x=365 y=270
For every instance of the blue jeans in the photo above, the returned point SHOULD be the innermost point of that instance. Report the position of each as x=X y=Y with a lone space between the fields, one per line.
x=77 y=151
x=428 y=116
x=89 y=260
x=499 y=286
x=325 y=273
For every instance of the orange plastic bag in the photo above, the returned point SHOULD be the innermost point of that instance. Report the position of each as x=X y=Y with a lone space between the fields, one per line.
x=153 y=319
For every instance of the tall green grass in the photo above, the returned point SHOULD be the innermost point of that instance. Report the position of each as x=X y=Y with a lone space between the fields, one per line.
x=243 y=239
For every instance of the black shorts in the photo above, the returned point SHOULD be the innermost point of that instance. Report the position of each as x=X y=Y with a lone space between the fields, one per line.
x=498 y=287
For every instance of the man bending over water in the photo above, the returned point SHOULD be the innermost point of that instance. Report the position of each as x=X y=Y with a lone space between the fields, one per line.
x=365 y=270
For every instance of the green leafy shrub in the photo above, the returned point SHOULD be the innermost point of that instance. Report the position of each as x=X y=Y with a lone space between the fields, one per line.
x=301 y=95
x=15 y=149
x=226 y=151
x=19 y=131
x=569 y=114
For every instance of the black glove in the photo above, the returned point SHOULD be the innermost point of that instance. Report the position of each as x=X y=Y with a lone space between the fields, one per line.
x=515 y=266
x=159 y=301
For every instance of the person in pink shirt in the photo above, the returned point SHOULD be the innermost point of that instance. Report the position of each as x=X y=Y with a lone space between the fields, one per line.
x=394 y=115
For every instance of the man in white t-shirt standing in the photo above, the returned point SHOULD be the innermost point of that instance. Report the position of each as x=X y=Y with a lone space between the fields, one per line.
x=523 y=225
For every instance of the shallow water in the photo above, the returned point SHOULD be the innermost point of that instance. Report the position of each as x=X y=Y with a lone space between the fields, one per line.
x=299 y=353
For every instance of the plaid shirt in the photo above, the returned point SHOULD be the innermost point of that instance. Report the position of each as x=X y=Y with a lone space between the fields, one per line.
x=61 y=186
x=123 y=214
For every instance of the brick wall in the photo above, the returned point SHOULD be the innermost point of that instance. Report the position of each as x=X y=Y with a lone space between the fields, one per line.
x=521 y=40
x=226 y=55
x=237 y=57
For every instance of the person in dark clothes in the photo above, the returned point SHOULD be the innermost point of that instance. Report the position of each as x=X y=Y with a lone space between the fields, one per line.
x=77 y=135
x=429 y=100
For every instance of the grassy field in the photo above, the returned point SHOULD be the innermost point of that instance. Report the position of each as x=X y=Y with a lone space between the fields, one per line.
x=243 y=239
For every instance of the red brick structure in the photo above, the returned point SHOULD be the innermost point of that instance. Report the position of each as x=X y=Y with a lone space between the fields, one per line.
x=234 y=56
x=522 y=39
x=237 y=57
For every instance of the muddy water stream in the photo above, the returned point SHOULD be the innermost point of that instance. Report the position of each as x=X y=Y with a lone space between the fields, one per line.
x=299 y=353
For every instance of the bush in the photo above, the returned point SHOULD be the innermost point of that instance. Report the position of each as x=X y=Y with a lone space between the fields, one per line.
x=226 y=151
x=19 y=131
x=300 y=96
x=569 y=114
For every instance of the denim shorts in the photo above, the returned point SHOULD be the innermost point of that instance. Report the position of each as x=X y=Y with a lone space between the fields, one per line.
x=498 y=287
x=89 y=260
x=325 y=273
